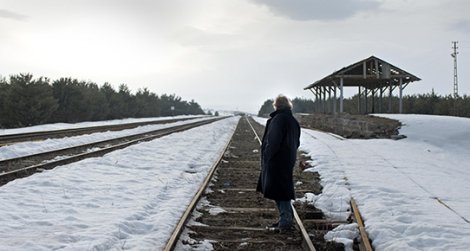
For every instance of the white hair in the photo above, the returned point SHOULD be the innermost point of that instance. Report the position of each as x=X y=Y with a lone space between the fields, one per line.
x=282 y=102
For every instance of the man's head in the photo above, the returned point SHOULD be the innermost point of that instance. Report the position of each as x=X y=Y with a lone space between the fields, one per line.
x=282 y=102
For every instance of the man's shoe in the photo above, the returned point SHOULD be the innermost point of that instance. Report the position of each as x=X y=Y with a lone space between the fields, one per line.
x=286 y=229
x=281 y=229
x=272 y=226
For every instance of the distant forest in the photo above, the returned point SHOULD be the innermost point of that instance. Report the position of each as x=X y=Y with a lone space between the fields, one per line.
x=25 y=101
x=412 y=104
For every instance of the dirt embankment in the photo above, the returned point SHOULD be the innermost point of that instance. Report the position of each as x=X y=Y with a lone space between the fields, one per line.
x=352 y=126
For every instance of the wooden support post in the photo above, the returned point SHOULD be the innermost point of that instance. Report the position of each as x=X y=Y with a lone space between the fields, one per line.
x=334 y=100
x=373 y=100
x=359 y=100
x=401 y=96
x=366 y=103
x=381 y=99
x=390 y=98
x=316 y=98
x=321 y=104
x=330 y=104
x=319 y=99
x=341 y=95
x=320 y=90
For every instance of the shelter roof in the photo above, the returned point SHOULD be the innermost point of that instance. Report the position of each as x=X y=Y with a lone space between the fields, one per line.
x=371 y=73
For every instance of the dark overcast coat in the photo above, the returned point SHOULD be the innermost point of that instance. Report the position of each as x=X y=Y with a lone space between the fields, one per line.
x=278 y=154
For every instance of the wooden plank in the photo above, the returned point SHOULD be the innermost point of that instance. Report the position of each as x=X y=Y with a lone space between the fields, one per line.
x=360 y=223
x=254 y=190
x=325 y=221
x=247 y=170
x=237 y=228
x=238 y=189
x=240 y=161
x=257 y=241
x=243 y=210
x=368 y=76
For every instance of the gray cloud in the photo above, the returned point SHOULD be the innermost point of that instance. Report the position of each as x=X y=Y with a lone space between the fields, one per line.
x=11 y=15
x=462 y=25
x=318 y=9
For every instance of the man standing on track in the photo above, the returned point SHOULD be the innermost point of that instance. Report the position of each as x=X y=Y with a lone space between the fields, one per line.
x=278 y=155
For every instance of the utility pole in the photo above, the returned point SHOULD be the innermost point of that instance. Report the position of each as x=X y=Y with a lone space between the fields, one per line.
x=454 y=55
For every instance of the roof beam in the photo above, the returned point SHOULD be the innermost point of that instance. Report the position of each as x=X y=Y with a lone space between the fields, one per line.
x=371 y=76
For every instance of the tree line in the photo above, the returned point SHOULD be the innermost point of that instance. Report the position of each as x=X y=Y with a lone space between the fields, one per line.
x=300 y=105
x=429 y=103
x=27 y=101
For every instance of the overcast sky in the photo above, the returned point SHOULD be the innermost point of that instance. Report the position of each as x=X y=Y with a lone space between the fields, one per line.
x=232 y=54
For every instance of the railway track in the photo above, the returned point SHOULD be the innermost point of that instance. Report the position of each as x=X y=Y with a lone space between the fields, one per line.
x=23 y=166
x=42 y=135
x=228 y=213
x=365 y=243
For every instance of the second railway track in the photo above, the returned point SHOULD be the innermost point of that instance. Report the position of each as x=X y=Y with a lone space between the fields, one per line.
x=233 y=216
x=23 y=166
x=7 y=139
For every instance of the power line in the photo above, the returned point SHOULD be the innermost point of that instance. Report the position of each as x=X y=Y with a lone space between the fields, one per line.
x=454 y=55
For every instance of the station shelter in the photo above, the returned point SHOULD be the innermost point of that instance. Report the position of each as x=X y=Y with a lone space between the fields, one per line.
x=374 y=78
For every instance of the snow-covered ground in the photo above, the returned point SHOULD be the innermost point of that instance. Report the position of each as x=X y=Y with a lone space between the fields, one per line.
x=129 y=199
x=399 y=185
x=58 y=126
x=132 y=198
x=28 y=148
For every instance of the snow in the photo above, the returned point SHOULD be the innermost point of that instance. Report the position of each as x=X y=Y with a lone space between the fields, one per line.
x=28 y=148
x=344 y=234
x=128 y=199
x=59 y=126
x=132 y=198
x=398 y=185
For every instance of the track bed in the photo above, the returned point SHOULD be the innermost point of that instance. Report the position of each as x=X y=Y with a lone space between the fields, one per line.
x=234 y=216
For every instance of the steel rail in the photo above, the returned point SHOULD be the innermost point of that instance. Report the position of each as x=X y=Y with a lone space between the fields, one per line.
x=252 y=128
x=179 y=227
x=451 y=209
x=303 y=231
x=6 y=139
x=364 y=245
x=26 y=171
x=432 y=196
x=106 y=141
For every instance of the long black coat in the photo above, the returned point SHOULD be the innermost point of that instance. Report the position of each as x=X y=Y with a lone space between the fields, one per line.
x=278 y=154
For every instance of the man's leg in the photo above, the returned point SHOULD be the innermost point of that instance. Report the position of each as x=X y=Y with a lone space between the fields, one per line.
x=285 y=212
